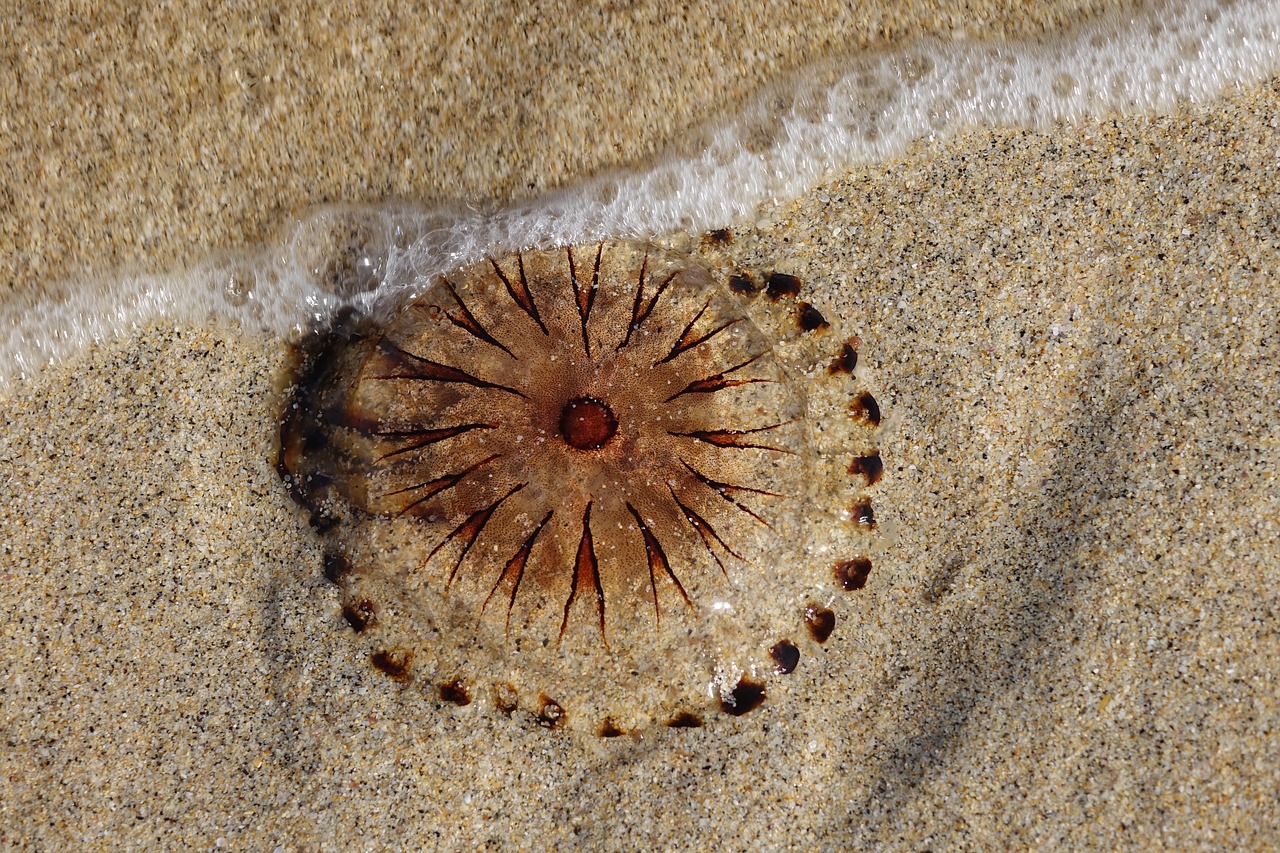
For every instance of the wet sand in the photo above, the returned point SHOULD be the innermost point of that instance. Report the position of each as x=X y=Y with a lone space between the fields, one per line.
x=1069 y=636
x=143 y=140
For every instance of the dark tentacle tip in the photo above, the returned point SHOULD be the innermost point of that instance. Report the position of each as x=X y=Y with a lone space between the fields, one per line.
x=821 y=621
x=336 y=567
x=608 y=728
x=718 y=237
x=506 y=699
x=868 y=467
x=778 y=285
x=852 y=574
x=684 y=720
x=810 y=319
x=864 y=408
x=786 y=657
x=457 y=692
x=846 y=361
x=359 y=614
x=394 y=663
x=745 y=696
x=551 y=714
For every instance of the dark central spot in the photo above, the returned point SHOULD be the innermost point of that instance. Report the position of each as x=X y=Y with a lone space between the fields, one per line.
x=587 y=423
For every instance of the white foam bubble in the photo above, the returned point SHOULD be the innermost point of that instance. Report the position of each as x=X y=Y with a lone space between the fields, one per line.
x=827 y=119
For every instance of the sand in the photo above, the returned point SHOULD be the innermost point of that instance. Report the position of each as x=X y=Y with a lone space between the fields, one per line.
x=1069 y=637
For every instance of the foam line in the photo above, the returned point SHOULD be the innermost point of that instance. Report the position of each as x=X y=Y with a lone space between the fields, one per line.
x=827 y=119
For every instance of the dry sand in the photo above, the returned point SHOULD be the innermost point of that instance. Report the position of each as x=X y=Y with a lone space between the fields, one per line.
x=1070 y=638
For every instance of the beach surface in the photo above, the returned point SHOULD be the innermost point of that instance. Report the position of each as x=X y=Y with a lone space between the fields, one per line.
x=1069 y=636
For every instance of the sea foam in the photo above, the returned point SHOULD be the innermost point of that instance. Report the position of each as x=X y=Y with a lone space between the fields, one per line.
x=824 y=120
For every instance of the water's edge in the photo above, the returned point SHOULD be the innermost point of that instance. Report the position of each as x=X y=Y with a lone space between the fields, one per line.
x=830 y=118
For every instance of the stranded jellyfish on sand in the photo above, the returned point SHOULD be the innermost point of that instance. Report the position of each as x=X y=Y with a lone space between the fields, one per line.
x=584 y=483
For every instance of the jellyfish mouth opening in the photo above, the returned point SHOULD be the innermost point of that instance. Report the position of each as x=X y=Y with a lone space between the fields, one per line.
x=587 y=423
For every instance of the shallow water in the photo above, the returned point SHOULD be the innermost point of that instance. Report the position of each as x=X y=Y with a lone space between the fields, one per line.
x=821 y=121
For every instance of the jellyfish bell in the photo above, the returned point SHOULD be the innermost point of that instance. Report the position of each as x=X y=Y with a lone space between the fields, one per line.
x=581 y=476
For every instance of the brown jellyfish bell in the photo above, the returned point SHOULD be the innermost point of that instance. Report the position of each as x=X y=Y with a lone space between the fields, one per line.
x=599 y=485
